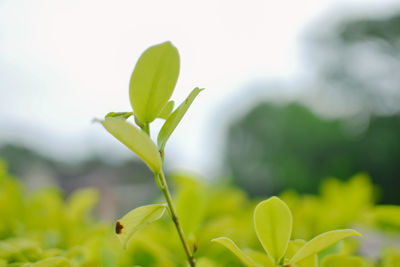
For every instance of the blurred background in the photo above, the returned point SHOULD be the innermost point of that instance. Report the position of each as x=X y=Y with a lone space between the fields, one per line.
x=296 y=91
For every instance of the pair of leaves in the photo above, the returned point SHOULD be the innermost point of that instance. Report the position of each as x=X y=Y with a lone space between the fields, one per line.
x=153 y=82
x=273 y=225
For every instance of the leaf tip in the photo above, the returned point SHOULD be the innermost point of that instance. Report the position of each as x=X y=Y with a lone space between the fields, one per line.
x=357 y=234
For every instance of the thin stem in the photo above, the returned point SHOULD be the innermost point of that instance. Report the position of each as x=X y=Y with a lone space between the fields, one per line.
x=146 y=128
x=164 y=188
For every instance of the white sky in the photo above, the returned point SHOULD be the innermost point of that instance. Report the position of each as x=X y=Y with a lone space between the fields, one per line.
x=63 y=63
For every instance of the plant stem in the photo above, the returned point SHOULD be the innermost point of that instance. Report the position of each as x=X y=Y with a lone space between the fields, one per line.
x=164 y=188
x=146 y=128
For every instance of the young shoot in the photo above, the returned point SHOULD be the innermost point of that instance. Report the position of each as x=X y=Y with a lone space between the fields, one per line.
x=151 y=86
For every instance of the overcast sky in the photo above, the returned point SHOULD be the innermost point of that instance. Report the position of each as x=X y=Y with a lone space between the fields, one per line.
x=63 y=63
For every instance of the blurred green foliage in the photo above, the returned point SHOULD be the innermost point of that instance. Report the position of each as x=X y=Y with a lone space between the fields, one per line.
x=43 y=228
x=274 y=147
x=355 y=61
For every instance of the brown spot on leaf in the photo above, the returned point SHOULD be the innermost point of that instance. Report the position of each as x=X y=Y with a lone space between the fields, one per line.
x=118 y=227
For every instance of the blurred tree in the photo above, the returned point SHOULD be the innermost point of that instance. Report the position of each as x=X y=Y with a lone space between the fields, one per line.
x=355 y=70
x=359 y=59
x=279 y=147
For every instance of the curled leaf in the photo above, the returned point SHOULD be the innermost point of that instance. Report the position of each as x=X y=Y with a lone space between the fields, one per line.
x=136 y=219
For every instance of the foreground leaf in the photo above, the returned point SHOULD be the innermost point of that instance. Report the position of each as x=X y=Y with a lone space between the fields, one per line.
x=204 y=262
x=321 y=242
x=153 y=80
x=310 y=261
x=261 y=258
x=136 y=140
x=136 y=219
x=293 y=247
x=174 y=119
x=53 y=262
x=273 y=224
x=229 y=244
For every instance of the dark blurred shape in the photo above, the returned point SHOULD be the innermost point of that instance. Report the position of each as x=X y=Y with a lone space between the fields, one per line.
x=280 y=147
x=358 y=58
x=122 y=185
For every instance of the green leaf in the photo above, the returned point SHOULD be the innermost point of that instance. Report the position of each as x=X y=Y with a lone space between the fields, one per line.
x=229 y=244
x=273 y=225
x=342 y=261
x=136 y=219
x=136 y=140
x=167 y=109
x=261 y=259
x=321 y=242
x=310 y=261
x=53 y=262
x=204 y=262
x=174 y=119
x=124 y=115
x=293 y=247
x=153 y=80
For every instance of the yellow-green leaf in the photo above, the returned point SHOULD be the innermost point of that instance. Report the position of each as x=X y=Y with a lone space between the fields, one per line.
x=204 y=262
x=229 y=244
x=293 y=247
x=342 y=261
x=136 y=219
x=153 y=80
x=174 y=119
x=124 y=115
x=53 y=262
x=136 y=140
x=310 y=261
x=321 y=242
x=166 y=111
x=261 y=258
x=273 y=225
